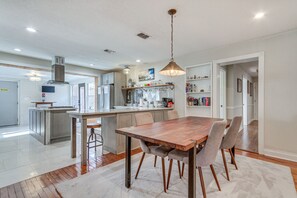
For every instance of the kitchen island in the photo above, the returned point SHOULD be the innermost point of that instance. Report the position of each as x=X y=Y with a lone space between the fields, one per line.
x=49 y=125
x=111 y=119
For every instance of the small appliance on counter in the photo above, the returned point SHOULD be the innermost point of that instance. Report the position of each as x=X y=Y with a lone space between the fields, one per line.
x=167 y=102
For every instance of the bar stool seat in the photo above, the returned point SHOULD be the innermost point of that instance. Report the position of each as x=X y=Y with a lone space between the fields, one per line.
x=93 y=137
x=93 y=125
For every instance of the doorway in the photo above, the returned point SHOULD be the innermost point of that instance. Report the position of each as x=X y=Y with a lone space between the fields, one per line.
x=247 y=100
x=8 y=103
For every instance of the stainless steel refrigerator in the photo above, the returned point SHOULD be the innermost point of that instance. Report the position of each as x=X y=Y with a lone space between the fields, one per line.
x=106 y=99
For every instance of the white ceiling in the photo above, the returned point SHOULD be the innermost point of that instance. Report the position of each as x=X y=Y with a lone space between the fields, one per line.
x=19 y=74
x=81 y=30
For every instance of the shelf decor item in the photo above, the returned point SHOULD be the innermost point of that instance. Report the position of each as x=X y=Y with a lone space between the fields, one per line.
x=147 y=75
x=172 y=69
x=239 y=85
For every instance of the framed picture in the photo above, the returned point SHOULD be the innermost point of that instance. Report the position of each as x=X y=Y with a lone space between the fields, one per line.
x=248 y=87
x=239 y=85
x=251 y=89
x=147 y=75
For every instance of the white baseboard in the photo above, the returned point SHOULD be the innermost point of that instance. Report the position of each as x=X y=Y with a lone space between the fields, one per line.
x=281 y=154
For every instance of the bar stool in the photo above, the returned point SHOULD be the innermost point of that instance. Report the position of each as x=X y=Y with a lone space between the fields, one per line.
x=93 y=137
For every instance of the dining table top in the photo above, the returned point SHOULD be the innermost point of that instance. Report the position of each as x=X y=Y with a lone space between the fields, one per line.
x=182 y=133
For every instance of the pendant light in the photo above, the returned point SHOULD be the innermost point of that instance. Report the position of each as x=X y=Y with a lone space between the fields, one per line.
x=126 y=70
x=172 y=69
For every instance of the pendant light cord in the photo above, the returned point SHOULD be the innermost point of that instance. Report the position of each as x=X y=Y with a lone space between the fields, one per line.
x=171 y=37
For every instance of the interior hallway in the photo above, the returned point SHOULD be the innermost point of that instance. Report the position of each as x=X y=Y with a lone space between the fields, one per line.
x=248 y=138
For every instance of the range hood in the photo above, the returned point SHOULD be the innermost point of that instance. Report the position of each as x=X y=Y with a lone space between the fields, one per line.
x=58 y=71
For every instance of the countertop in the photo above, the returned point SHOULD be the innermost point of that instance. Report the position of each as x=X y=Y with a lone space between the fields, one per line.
x=53 y=109
x=114 y=111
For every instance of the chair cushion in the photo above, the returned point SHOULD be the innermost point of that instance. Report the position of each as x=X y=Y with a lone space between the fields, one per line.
x=161 y=151
x=177 y=155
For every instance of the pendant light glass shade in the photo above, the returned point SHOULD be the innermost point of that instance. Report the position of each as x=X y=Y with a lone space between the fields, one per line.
x=172 y=69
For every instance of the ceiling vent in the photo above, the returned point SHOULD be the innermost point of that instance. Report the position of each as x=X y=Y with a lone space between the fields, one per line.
x=143 y=35
x=109 y=51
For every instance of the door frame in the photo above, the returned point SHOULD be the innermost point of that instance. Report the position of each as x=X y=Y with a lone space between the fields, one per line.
x=261 y=93
x=79 y=99
x=224 y=93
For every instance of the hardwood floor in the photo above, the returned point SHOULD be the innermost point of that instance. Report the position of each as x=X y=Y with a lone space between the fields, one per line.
x=44 y=185
x=247 y=139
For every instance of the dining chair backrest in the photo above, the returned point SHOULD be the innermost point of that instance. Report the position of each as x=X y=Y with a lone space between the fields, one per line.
x=208 y=154
x=144 y=118
x=232 y=132
x=172 y=115
x=141 y=119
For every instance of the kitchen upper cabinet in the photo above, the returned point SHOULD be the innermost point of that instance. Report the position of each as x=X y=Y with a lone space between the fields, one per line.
x=108 y=78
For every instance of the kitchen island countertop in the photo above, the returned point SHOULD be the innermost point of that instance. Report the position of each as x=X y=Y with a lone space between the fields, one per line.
x=113 y=111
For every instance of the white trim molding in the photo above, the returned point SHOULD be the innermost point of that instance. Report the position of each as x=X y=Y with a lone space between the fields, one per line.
x=281 y=154
x=234 y=107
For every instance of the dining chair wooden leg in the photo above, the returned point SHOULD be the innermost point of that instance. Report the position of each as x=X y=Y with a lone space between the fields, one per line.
x=233 y=159
x=140 y=163
x=183 y=169
x=202 y=182
x=155 y=161
x=169 y=172
x=215 y=176
x=225 y=164
x=163 y=172
x=179 y=171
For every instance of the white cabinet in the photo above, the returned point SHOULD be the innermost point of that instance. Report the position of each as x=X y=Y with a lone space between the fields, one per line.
x=108 y=78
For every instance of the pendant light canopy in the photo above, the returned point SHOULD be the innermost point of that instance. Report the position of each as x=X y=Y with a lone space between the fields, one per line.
x=172 y=69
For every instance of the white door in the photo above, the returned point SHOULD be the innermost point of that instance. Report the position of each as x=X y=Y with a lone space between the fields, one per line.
x=8 y=103
x=223 y=93
x=255 y=100
x=244 y=101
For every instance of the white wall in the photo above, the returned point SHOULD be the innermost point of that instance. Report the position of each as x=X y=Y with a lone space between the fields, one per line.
x=280 y=79
x=31 y=92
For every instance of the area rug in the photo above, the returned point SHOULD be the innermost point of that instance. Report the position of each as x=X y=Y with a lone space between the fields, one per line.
x=255 y=178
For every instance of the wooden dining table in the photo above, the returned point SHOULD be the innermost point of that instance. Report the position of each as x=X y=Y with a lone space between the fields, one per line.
x=182 y=134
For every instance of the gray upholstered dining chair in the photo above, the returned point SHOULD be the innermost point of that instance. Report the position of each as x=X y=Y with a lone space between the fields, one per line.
x=229 y=141
x=149 y=148
x=205 y=157
x=173 y=114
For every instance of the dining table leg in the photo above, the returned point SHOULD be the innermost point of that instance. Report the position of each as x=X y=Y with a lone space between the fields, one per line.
x=73 y=137
x=128 y=162
x=192 y=173
x=83 y=141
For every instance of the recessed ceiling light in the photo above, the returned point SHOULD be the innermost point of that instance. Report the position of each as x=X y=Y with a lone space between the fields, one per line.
x=138 y=61
x=91 y=65
x=259 y=15
x=17 y=49
x=30 y=29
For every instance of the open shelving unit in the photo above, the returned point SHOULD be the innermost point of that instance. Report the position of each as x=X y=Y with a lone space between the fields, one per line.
x=200 y=77
x=147 y=87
